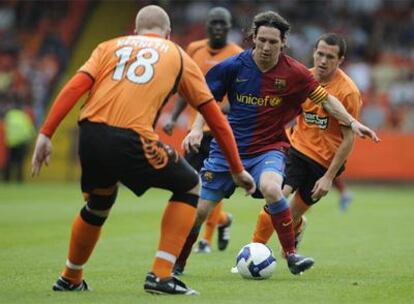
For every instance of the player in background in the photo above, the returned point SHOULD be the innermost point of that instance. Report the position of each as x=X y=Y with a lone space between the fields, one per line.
x=345 y=195
x=266 y=90
x=206 y=53
x=129 y=79
x=320 y=144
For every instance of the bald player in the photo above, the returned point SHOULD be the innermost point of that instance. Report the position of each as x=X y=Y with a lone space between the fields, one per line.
x=207 y=53
x=129 y=79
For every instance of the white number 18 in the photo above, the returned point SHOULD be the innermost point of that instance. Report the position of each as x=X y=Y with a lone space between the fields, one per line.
x=145 y=62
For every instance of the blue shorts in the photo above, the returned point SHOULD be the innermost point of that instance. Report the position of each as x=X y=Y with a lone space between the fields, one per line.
x=218 y=184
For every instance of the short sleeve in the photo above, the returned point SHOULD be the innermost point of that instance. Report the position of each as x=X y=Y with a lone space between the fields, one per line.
x=92 y=65
x=353 y=103
x=193 y=86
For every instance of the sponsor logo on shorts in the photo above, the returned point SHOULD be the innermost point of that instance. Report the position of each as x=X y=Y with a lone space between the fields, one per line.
x=314 y=119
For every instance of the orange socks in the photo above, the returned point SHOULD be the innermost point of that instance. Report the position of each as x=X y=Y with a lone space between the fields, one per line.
x=177 y=221
x=223 y=219
x=299 y=208
x=176 y=224
x=264 y=228
x=83 y=240
x=216 y=217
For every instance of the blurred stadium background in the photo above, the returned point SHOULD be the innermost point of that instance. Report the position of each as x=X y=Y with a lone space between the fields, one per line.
x=44 y=42
x=363 y=256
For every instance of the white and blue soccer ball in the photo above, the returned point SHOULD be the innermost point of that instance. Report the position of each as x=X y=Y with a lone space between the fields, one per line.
x=256 y=261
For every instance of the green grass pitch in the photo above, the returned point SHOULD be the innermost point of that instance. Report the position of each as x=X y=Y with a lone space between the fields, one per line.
x=362 y=256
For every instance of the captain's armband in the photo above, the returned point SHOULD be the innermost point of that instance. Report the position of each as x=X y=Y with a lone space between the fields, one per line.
x=319 y=95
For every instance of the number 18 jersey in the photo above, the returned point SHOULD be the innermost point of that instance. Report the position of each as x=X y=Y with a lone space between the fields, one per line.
x=134 y=77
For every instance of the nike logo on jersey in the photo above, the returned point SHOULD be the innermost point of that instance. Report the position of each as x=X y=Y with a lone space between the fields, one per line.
x=238 y=80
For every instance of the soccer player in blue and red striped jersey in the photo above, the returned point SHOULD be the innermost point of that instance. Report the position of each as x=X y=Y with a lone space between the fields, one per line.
x=266 y=89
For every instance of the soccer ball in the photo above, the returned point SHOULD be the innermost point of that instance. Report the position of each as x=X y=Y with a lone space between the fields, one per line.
x=256 y=261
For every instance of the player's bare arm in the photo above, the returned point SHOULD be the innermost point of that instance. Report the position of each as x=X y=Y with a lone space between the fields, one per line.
x=193 y=139
x=245 y=180
x=179 y=107
x=335 y=108
x=41 y=154
x=67 y=98
x=324 y=184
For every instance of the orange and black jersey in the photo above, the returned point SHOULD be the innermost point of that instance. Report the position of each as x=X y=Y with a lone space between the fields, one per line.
x=129 y=79
x=318 y=135
x=133 y=78
x=206 y=58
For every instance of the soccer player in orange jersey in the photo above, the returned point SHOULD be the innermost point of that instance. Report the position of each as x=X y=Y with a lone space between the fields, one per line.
x=129 y=79
x=207 y=53
x=320 y=144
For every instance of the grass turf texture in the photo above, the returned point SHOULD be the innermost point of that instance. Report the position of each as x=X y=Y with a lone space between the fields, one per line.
x=362 y=256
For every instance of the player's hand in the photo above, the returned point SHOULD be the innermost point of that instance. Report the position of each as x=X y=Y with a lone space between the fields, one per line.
x=363 y=131
x=193 y=140
x=41 y=154
x=169 y=127
x=321 y=187
x=246 y=181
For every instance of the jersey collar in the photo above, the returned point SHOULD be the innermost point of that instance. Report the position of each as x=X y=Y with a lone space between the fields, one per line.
x=151 y=35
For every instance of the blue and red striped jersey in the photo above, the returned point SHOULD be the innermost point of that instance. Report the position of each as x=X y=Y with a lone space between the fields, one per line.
x=261 y=104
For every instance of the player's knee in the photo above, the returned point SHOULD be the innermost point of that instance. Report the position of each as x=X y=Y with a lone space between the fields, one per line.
x=98 y=207
x=271 y=191
x=91 y=217
x=188 y=198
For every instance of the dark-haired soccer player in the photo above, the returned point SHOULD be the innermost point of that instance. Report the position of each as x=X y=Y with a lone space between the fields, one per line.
x=266 y=90
x=320 y=144
x=207 y=53
x=129 y=79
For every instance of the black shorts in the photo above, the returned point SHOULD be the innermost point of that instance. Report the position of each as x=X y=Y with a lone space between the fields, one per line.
x=302 y=173
x=195 y=159
x=109 y=155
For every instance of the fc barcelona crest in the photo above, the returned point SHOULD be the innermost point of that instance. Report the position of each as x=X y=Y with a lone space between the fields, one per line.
x=280 y=84
x=208 y=176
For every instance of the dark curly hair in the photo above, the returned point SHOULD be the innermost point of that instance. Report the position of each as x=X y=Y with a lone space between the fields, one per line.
x=271 y=19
